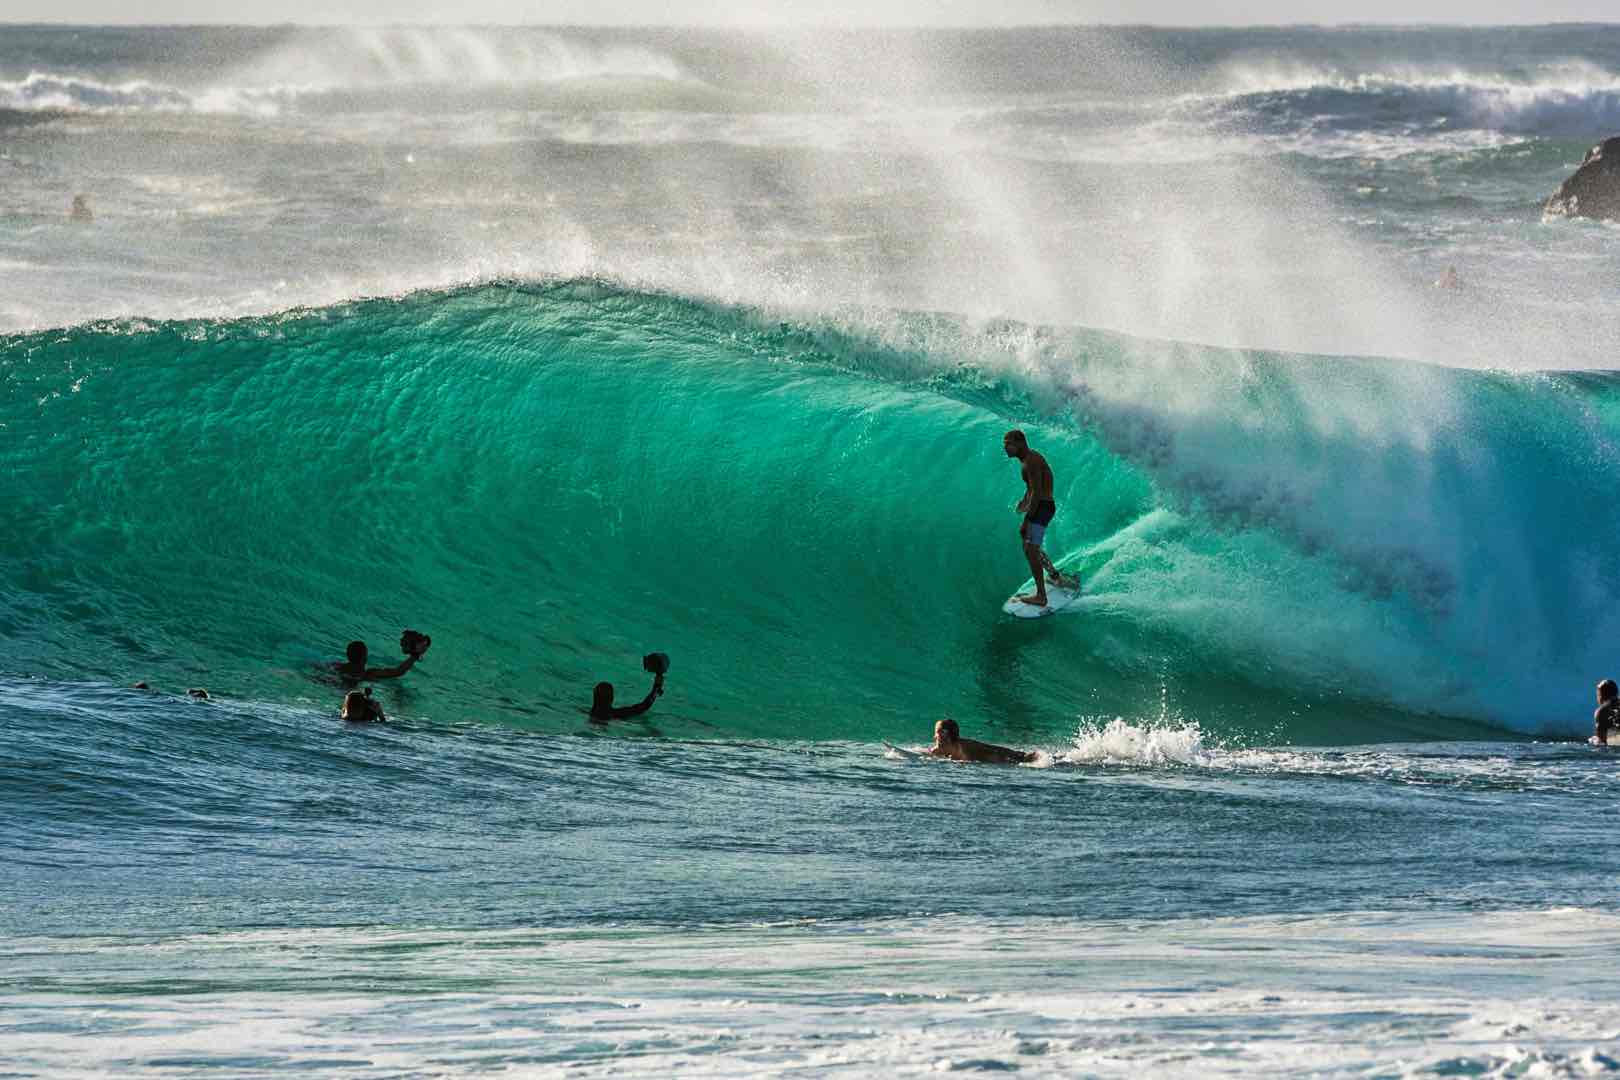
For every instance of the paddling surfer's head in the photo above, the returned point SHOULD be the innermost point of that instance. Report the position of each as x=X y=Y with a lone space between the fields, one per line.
x=1607 y=691
x=946 y=733
x=602 y=698
x=1015 y=443
x=358 y=653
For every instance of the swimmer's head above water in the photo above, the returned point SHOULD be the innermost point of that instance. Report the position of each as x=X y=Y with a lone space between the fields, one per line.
x=359 y=707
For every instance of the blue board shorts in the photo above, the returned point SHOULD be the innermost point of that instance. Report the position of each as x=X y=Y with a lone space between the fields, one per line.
x=1037 y=520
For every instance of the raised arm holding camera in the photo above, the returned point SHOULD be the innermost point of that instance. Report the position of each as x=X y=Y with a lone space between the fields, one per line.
x=602 y=708
x=412 y=643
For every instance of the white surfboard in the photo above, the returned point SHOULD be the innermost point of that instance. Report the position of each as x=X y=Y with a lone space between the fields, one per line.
x=909 y=755
x=1056 y=600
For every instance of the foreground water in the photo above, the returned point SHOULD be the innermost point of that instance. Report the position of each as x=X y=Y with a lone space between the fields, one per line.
x=1527 y=994
x=202 y=888
x=564 y=346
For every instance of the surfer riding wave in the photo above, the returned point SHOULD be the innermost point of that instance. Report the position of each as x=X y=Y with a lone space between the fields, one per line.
x=1038 y=508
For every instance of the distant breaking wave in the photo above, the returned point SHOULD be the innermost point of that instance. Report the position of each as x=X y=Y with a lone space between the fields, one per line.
x=584 y=91
x=50 y=92
x=1577 y=102
x=313 y=66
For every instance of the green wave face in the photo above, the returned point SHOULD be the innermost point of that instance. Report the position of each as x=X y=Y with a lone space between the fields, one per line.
x=814 y=521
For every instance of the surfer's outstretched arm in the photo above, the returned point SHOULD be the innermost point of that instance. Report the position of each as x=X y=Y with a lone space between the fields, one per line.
x=639 y=707
x=391 y=672
x=354 y=667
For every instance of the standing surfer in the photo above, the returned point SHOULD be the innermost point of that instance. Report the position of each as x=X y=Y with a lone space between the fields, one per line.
x=1037 y=506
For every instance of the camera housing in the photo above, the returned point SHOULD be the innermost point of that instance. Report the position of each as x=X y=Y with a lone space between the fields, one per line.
x=414 y=643
x=656 y=662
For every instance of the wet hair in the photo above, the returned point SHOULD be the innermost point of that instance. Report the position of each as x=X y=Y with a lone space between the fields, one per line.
x=602 y=696
x=1017 y=436
x=362 y=708
x=359 y=707
x=1607 y=690
x=947 y=727
x=357 y=652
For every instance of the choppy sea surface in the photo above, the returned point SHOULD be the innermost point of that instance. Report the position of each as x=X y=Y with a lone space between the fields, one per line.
x=565 y=345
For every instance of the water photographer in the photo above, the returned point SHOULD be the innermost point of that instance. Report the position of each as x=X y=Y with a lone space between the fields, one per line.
x=602 y=709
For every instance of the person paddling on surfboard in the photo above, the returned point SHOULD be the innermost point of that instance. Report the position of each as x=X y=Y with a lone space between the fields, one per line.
x=1037 y=506
x=948 y=743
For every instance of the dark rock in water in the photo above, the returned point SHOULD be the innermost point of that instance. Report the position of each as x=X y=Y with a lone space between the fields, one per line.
x=1593 y=190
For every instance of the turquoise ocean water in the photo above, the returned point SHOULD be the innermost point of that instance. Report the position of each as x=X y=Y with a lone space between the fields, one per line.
x=564 y=346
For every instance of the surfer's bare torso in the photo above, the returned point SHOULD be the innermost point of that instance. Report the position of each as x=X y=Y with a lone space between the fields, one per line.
x=1037 y=481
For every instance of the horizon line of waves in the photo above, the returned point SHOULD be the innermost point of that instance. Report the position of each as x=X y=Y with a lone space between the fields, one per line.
x=66 y=92
x=638 y=110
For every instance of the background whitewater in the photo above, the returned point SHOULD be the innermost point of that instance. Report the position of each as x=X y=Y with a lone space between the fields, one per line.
x=1288 y=189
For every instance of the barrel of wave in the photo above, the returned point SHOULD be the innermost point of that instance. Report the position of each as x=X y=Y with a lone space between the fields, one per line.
x=545 y=483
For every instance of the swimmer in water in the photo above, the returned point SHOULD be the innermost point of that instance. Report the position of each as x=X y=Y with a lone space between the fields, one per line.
x=354 y=668
x=948 y=743
x=359 y=707
x=602 y=708
x=1607 y=716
